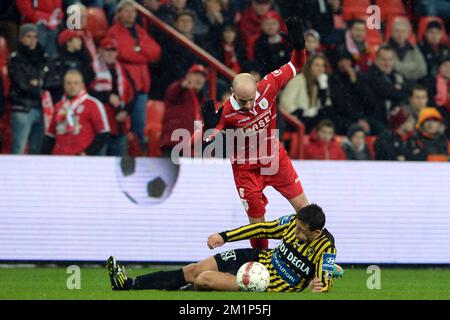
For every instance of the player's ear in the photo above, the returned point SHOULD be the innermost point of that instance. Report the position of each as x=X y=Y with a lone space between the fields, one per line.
x=317 y=233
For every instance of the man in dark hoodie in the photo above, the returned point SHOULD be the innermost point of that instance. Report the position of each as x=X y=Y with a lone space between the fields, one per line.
x=27 y=67
x=72 y=55
x=355 y=146
x=433 y=48
x=394 y=143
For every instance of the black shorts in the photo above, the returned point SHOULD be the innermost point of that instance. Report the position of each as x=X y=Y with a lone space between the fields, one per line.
x=230 y=261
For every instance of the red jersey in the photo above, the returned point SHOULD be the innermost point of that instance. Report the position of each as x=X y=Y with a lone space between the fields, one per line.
x=258 y=124
x=76 y=122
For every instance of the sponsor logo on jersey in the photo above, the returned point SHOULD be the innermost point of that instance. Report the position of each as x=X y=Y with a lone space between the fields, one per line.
x=284 y=220
x=295 y=259
x=283 y=270
x=328 y=261
x=291 y=265
x=227 y=255
x=259 y=125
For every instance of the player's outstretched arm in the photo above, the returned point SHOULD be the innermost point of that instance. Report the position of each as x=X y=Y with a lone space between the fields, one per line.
x=270 y=230
x=279 y=78
x=295 y=32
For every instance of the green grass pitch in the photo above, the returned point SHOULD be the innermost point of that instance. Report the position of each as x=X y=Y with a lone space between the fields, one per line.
x=50 y=283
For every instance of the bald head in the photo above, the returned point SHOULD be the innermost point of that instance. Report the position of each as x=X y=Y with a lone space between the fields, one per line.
x=244 y=90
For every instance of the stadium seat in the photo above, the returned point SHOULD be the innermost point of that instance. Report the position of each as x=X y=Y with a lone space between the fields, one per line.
x=423 y=22
x=4 y=51
x=296 y=138
x=5 y=130
x=437 y=158
x=97 y=23
x=391 y=8
x=251 y=46
x=374 y=38
x=352 y=9
x=153 y=130
x=390 y=23
x=370 y=140
x=4 y=54
x=134 y=148
x=339 y=138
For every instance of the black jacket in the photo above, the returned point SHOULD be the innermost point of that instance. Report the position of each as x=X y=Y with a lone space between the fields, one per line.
x=428 y=146
x=352 y=154
x=67 y=60
x=23 y=66
x=2 y=98
x=433 y=57
x=174 y=63
x=389 y=145
x=347 y=97
x=379 y=92
x=270 y=57
x=313 y=14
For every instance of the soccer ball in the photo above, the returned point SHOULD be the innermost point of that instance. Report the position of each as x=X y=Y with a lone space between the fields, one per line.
x=146 y=181
x=253 y=276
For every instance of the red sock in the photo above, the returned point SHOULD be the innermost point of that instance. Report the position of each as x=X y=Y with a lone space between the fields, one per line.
x=259 y=243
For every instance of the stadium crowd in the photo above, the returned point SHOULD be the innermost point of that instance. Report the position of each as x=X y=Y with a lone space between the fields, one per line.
x=364 y=93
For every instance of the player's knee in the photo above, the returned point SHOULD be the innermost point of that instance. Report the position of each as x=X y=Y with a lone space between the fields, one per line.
x=204 y=280
x=191 y=271
x=255 y=208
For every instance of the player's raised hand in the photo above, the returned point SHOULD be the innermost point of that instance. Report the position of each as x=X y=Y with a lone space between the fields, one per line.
x=210 y=116
x=315 y=285
x=295 y=32
x=215 y=240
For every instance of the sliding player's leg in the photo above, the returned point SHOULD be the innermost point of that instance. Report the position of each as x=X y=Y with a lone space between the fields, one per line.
x=162 y=280
x=215 y=280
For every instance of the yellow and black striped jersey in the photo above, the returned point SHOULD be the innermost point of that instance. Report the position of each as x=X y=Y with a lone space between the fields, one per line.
x=293 y=264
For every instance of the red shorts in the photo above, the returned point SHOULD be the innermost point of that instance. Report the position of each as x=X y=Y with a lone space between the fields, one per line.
x=250 y=185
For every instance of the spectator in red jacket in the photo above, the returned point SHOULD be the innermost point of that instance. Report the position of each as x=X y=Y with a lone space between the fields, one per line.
x=183 y=101
x=136 y=49
x=47 y=15
x=249 y=22
x=113 y=88
x=322 y=145
x=442 y=84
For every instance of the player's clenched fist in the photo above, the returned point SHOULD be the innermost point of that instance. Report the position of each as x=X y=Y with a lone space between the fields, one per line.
x=215 y=240
x=316 y=285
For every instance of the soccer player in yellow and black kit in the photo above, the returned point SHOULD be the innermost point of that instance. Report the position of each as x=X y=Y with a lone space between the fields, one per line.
x=305 y=257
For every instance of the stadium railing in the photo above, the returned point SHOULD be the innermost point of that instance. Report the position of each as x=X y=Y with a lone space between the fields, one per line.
x=215 y=65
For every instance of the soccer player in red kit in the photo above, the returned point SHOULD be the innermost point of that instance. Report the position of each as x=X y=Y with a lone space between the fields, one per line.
x=251 y=110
